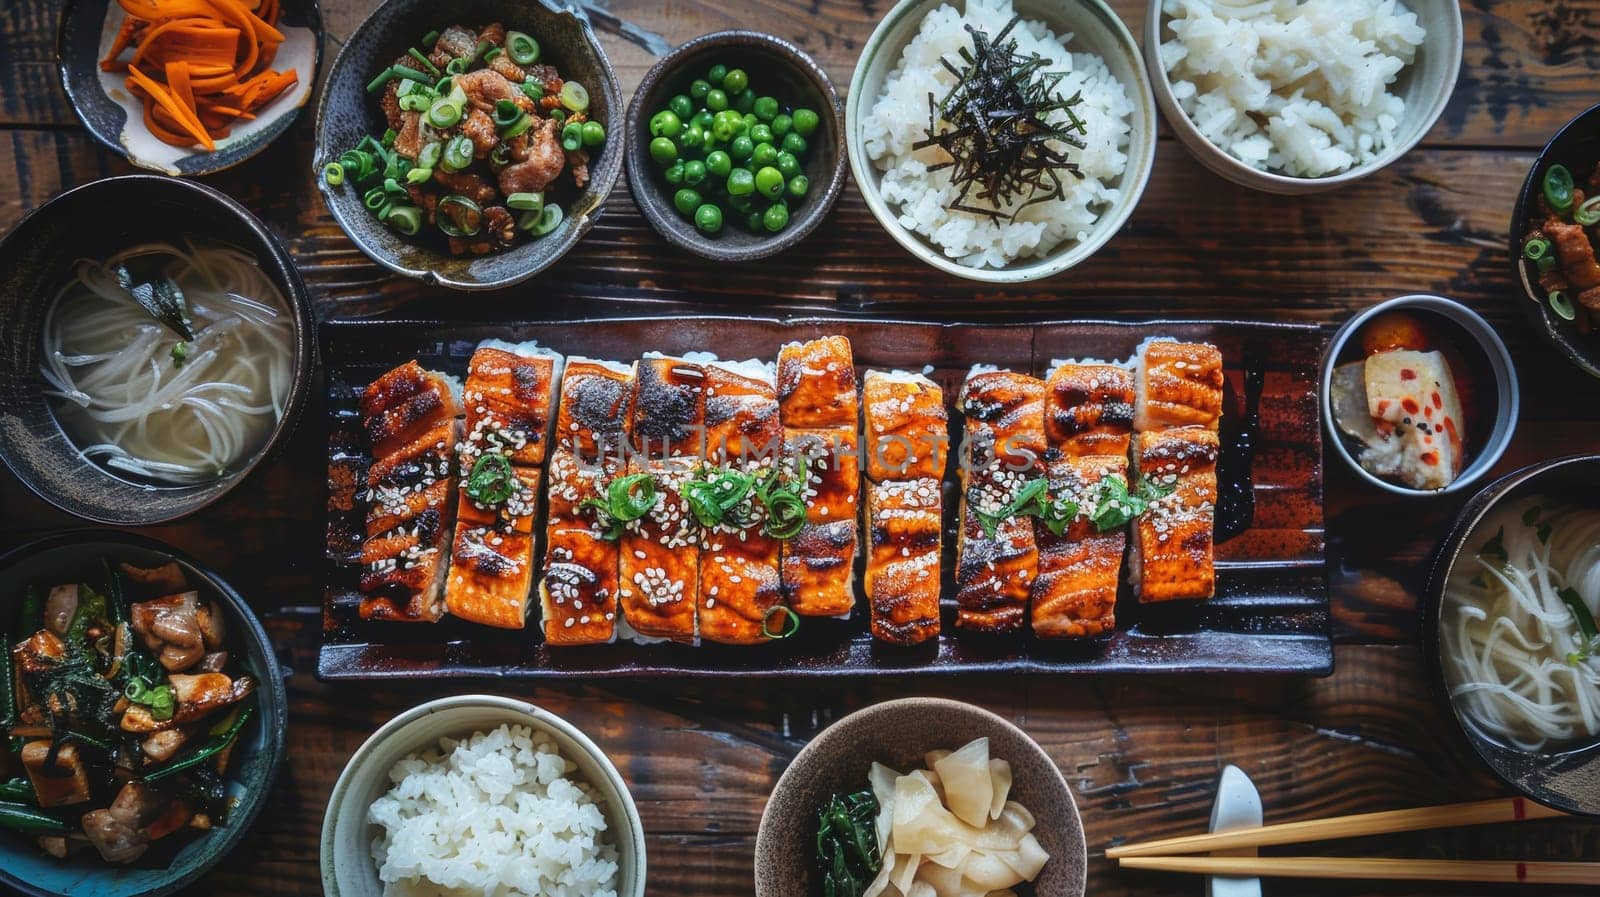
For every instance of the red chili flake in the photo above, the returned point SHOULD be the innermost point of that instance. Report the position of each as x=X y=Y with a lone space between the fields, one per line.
x=1427 y=412
x=1410 y=405
x=1437 y=402
x=1383 y=407
x=1430 y=458
x=1407 y=374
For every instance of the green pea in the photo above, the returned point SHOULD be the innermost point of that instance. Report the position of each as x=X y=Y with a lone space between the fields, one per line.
x=674 y=173
x=708 y=218
x=769 y=182
x=719 y=163
x=741 y=204
x=691 y=139
x=718 y=75
x=766 y=108
x=750 y=120
x=744 y=100
x=798 y=185
x=763 y=155
x=663 y=150
x=703 y=119
x=716 y=100
x=698 y=90
x=775 y=218
x=681 y=106
x=735 y=80
x=694 y=172
x=752 y=220
x=805 y=122
x=741 y=182
x=665 y=123
x=594 y=133
x=782 y=124
x=788 y=165
x=741 y=147
x=686 y=200
x=761 y=134
x=794 y=143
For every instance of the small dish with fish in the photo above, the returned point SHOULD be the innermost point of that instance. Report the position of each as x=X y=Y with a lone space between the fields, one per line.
x=471 y=148
x=1419 y=395
x=145 y=716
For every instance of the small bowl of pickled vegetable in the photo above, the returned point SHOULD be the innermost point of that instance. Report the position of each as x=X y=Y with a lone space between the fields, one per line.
x=469 y=145
x=735 y=145
x=175 y=729
x=1555 y=241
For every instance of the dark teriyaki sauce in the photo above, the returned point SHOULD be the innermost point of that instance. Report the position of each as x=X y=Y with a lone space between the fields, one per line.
x=1236 y=495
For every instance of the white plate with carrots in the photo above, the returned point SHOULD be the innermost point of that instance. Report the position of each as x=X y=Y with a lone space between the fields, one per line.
x=189 y=87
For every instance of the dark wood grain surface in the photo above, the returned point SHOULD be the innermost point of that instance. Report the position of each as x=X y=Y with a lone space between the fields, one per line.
x=1142 y=754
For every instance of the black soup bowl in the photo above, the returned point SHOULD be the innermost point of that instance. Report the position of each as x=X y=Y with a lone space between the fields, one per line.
x=1576 y=146
x=95 y=221
x=1564 y=776
x=347 y=113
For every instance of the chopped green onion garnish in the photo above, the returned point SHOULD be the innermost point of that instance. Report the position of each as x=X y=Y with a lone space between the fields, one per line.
x=419 y=175
x=1545 y=265
x=1562 y=306
x=430 y=154
x=1558 y=188
x=430 y=38
x=457 y=153
x=458 y=66
x=1589 y=212
x=376 y=84
x=333 y=173
x=572 y=136
x=1586 y=623
x=549 y=219
x=426 y=62
x=789 y=626
x=459 y=216
x=492 y=480
x=524 y=50
x=402 y=71
x=525 y=202
x=405 y=219
x=443 y=113
x=1535 y=249
x=574 y=96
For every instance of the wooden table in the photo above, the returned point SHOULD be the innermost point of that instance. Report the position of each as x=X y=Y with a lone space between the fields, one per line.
x=1142 y=753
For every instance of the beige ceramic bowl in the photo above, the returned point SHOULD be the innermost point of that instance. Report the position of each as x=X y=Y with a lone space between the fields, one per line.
x=1425 y=85
x=347 y=866
x=1095 y=29
x=898 y=733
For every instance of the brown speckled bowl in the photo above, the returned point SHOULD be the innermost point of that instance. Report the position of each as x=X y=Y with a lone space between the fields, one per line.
x=898 y=733
x=777 y=68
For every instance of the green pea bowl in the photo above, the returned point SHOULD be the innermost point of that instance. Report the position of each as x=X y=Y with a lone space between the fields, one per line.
x=735 y=146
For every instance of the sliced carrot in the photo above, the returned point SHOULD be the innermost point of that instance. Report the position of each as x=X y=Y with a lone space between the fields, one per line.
x=185 y=117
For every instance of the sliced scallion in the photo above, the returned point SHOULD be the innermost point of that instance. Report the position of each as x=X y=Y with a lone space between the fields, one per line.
x=459 y=216
x=522 y=48
x=333 y=174
x=787 y=628
x=443 y=113
x=525 y=202
x=1588 y=213
x=457 y=153
x=1562 y=305
x=549 y=219
x=1535 y=249
x=425 y=61
x=1558 y=188
x=574 y=96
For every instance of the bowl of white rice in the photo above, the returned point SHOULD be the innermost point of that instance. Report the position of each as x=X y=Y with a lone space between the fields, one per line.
x=887 y=111
x=480 y=795
x=1302 y=96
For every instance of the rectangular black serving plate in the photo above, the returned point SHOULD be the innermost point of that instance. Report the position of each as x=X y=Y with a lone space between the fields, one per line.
x=1270 y=614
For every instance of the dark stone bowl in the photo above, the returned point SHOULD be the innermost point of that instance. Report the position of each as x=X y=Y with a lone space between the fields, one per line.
x=94 y=221
x=78 y=42
x=898 y=734
x=257 y=757
x=777 y=68
x=348 y=113
x=1564 y=777
x=1577 y=146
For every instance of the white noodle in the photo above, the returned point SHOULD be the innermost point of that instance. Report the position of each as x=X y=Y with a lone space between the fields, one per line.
x=122 y=398
x=1515 y=656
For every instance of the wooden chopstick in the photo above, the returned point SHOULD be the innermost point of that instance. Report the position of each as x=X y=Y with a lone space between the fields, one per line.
x=1502 y=871
x=1508 y=809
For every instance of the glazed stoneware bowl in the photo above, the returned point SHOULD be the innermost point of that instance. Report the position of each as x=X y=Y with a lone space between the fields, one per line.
x=257 y=754
x=348 y=869
x=1095 y=29
x=347 y=113
x=1565 y=777
x=36 y=260
x=1496 y=390
x=1577 y=146
x=898 y=733
x=777 y=68
x=115 y=117
x=1425 y=85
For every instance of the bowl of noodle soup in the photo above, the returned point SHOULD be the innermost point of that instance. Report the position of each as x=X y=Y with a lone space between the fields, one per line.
x=150 y=366
x=1512 y=602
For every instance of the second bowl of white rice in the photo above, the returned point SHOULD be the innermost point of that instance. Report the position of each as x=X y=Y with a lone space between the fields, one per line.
x=887 y=110
x=481 y=795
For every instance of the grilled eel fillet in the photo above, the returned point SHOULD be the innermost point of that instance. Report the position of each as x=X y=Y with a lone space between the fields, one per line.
x=739 y=564
x=1172 y=541
x=1177 y=385
x=509 y=400
x=409 y=417
x=578 y=595
x=1004 y=449
x=907 y=445
x=1088 y=420
x=660 y=552
x=818 y=408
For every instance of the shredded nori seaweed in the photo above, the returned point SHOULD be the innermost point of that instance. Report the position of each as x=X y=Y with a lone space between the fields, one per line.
x=1000 y=140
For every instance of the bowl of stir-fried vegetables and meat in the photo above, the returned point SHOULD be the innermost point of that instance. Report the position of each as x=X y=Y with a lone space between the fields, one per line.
x=144 y=717
x=1555 y=241
x=469 y=145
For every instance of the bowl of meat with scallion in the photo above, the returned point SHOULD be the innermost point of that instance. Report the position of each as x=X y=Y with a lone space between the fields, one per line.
x=144 y=717
x=468 y=146
x=1555 y=241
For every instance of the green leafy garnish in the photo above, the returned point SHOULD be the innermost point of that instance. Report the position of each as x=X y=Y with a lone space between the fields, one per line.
x=158 y=698
x=1495 y=548
x=847 y=844
x=716 y=500
x=492 y=480
x=180 y=354
x=1058 y=514
x=157 y=294
x=789 y=626
x=1580 y=610
x=627 y=499
x=91 y=609
x=1029 y=501
x=784 y=501
x=1115 y=505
